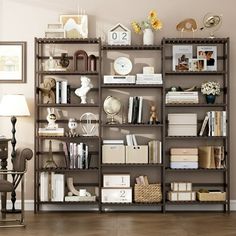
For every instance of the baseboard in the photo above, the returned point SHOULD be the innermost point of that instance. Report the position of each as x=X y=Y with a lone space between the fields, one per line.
x=29 y=206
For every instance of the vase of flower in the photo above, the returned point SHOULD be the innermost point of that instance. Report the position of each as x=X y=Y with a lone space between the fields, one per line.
x=210 y=98
x=148 y=37
x=152 y=23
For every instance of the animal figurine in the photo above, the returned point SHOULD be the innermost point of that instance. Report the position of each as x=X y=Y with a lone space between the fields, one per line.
x=51 y=118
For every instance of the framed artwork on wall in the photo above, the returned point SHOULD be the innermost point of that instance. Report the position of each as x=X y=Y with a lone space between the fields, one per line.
x=75 y=26
x=12 y=62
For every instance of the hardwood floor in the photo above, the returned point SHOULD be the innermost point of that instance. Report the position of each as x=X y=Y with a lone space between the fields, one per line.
x=126 y=224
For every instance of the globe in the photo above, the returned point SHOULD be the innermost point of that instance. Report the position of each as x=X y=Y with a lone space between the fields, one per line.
x=112 y=107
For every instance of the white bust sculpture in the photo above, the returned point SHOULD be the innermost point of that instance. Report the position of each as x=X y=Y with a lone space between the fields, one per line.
x=86 y=85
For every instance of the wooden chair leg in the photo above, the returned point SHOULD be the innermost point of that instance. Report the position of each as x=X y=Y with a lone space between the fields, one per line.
x=4 y=205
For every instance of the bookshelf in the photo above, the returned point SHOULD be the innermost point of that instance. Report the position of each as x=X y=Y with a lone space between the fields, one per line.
x=82 y=177
x=183 y=78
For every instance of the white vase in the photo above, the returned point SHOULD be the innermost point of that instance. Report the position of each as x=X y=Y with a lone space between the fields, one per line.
x=148 y=37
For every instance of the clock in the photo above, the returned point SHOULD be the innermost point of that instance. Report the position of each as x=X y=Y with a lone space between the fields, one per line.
x=119 y=35
x=123 y=66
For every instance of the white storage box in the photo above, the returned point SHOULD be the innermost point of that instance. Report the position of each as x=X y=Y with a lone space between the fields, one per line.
x=184 y=151
x=182 y=196
x=119 y=79
x=113 y=154
x=184 y=124
x=137 y=154
x=117 y=195
x=184 y=165
x=181 y=186
x=116 y=180
x=184 y=158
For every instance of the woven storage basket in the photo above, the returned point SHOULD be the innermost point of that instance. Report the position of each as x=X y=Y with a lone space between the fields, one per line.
x=211 y=196
x=147 y=193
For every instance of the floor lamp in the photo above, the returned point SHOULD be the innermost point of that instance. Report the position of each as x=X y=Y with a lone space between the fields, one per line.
x=13 y=105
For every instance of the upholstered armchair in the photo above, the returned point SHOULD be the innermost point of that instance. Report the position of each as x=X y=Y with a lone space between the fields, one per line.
x=6 y=186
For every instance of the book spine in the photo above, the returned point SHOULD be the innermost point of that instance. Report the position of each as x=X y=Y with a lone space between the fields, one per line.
x=204 y=125
x=224 y=123
x=71 y=156
x=140 y=110
x=57 y=92
x=63 y=92
x=68 y=94
x=86 y=157
x=130 y=109
x=75 y=159
x=135 y=110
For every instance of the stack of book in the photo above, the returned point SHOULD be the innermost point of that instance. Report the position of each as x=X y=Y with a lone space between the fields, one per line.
x=183 y=158
x=135 y=110
x=211 y=157
x=149 y=79
x=78 y=156
x=52 y=187
x=216 y=123
x=62 y=92
x=52 y=132
x=155 y=152
x=182 y=97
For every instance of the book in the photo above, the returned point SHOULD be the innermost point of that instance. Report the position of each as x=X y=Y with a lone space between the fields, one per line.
x=181 y=55
x=210 y=54
x=135 y=110
x=140 y=109
x=134 y=140
x=113 y=141
x=206 y=157
x=130 y=109
x=64 y=92
x=129 y=140
x=204 y=123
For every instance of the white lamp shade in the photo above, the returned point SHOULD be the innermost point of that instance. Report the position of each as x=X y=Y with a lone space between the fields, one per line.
x=14 y=105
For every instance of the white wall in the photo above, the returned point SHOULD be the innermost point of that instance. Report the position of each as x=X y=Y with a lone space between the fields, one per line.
x=22 y=20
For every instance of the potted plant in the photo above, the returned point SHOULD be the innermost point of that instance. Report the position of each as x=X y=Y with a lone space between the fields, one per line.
x=211 y=89
x=153 y=23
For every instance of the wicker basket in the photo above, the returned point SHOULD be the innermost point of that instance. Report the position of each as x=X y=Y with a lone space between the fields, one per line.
x=221 y=196
x=147 y=193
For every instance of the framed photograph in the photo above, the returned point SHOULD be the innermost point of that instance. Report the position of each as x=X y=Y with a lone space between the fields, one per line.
x=210 y=54
x=197 y=64
x=12 y=62
x=181 y=55
x=75 y=26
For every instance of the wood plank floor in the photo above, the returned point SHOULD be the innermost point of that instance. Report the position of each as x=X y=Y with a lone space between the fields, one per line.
x=126 y=224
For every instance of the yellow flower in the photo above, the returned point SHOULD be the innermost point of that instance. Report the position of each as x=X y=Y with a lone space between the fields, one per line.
x=136 y=27
x=156 y=24
x=152 y=15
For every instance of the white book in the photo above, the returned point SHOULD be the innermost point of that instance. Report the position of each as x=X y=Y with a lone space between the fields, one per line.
x=71 y=156
x=58 y=89
x=134 y=140
x=181 y=55
x=64 y=92
x=57 y=187
x=210 y=54
x=86 y=157
x=140 y=111
x=130 y=110
x=79 y=155
x=209 y=123
x=159 y=160
x=44 y=186
x=204 y=123
x=224 y=123
x=213 y=133
x=113 y=141
x=129 y=140
x=75 y=159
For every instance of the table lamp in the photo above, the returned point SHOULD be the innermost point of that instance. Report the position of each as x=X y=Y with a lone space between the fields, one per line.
x=13 y=105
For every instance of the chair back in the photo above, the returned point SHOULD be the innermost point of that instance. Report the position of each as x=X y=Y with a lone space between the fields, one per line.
x=22 y=155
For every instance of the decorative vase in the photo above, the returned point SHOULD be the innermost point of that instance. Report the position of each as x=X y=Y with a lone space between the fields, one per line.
x=64 y=60
x=210 y=99
x=148 y=37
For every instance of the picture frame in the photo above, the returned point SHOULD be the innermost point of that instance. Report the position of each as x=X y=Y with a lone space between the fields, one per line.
x=197 y=64
x=210 y=54
x=75 y=26
x=13 y=62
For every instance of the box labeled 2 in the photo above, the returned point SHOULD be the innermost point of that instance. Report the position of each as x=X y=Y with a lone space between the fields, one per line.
x=117 y=195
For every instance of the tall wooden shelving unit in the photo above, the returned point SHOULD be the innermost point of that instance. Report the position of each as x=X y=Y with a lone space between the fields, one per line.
x=222 y=75
x=163 y=169
x=40 y=153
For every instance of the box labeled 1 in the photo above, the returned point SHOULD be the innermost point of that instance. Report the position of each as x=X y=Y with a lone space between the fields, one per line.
x=116 y=180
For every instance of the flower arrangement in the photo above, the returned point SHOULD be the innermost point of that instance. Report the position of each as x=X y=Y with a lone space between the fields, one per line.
x=210 y=87
x=152 y=22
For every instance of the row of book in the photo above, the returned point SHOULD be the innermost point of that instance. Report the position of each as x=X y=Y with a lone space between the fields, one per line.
x=182 y=97
x=52 y=187
x=216 y=123
x=77 y=154
x=135 y=110
x=62 y=92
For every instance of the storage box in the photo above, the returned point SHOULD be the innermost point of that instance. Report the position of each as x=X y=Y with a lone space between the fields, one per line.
x=184 y=151
x=117 y=195
x=184 y=165
x=147 y=193
x=182 y=124
x=184 y=158
x=212 y=196
x=181 y=186
x=113 y=154
x=181 y=196
x=137 y=154
x=116 y=180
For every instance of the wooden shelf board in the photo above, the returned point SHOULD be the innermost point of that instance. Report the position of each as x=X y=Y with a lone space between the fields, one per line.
x=67 y=105
x=133 y=204
x=68 y=40
x=131 y=47
x=194 y=202
x=197 y=170
x=154 y=86
x=195 y=72
x=195 y=40
x=69 y=138
x=195 y=137
x=130 y=164
x=67 y=73
x=195 y=105
x=60 y=169
x=132 y=125
x=68 y=203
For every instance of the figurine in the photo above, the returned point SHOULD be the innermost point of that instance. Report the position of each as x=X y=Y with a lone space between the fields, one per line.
x=51 y=118
x=153 y=117
x=72 y=124
x=81 y=92
x=47 y=90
